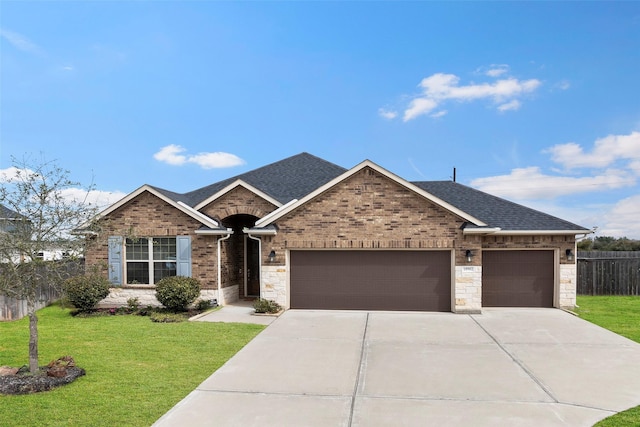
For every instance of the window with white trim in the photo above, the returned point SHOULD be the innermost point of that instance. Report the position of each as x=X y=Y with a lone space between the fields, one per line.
x=150 y=259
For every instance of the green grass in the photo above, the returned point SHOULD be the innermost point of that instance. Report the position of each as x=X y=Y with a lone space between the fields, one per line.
x=620 y=314
x=136 y=369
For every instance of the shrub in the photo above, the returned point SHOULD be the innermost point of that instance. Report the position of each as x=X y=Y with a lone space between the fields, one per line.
x=266 y=306
x=133 y=304
x=203 y=305
x=167 y=317
x=177 y=292
x=84 y=292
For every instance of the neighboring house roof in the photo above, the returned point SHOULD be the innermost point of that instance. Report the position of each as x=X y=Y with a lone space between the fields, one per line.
x=6 y=213
x=496 y=212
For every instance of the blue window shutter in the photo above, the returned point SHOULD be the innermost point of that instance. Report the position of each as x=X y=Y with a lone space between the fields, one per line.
x=183 y=261
x=115 y=260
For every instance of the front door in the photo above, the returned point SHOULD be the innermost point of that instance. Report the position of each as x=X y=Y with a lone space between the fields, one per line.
x=252 y=267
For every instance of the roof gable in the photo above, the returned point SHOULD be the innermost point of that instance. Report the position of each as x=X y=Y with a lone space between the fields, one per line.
x=369 y=164
x=181 y=206
x=232 y=186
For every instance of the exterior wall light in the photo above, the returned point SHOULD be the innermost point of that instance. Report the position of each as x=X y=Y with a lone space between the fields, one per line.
x=469 y=255
x=570 y=255
x=272 y=256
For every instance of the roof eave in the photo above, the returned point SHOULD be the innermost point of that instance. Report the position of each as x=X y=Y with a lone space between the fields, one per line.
x=542 y=232
x=214 y=232
x=271 y=231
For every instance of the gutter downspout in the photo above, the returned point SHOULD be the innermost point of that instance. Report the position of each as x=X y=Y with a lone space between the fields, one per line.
x=220 y=294
x=259 y=262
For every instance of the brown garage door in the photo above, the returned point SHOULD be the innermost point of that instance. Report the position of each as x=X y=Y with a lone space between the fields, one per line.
x=517 y=278
x=371 y=280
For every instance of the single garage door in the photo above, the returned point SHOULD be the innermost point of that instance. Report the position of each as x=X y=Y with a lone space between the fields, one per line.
x=371 y=280
x=517 y=278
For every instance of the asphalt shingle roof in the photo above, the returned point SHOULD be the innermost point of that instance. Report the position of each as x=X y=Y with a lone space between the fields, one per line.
x=285 y=180
x=494 y=211
x=299 y=175
x=6 y=213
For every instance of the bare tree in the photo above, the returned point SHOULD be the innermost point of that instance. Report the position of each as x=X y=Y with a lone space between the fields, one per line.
x=46 y=207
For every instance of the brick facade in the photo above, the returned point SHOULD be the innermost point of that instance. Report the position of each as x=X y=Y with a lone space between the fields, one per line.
x=367 y=210
x=149 y=216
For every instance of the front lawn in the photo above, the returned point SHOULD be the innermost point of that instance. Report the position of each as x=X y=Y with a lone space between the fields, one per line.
x=620 y=314
x=136 y=369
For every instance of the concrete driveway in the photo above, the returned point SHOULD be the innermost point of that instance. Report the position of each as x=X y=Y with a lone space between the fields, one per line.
x=516 y=367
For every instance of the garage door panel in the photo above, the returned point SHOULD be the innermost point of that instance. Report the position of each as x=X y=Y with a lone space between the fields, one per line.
x=371 y=280
x=517 y=278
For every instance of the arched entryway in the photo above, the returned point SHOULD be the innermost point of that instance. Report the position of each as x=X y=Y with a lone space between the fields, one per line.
x=241 y=257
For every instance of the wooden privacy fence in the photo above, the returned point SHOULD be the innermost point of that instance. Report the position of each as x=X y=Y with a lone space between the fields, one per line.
x=14 y=309
x=608 y=273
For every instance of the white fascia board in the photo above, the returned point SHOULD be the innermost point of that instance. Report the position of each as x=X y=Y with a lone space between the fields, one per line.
x=255 y=232
x=393 y=177
x=267 y=217
x=481 y=230
x=195 y=214
x=233 y=185
x=541 y=232
x=216 y=232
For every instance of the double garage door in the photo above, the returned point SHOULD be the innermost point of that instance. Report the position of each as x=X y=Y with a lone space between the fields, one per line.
x=371 y=280
x=415 y=280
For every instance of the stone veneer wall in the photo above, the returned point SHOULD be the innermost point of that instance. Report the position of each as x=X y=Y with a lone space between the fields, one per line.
x=229 y=295
x=274 y=284
x=468 y=289
x=568 y=285
x=146 y=296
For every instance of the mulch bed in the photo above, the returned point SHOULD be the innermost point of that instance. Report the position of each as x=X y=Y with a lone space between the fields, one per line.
x=58 y=373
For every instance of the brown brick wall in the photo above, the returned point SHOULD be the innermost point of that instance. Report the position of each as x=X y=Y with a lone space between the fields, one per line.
x=532 y=242
x=238 y=201
x=367 y=210
x=149 y=216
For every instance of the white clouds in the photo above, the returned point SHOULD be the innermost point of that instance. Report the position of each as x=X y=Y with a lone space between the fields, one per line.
x=613 y=162
x=505 y=93
x=171 y=155
x=98 y=198
x=418 y=107
x=605 y=152
x=496 y=70
x=530 y=183
x=216 y=160
x=74 y=195
x=510 y=106
x=12 y=172
x=19 y=41
x=387 y=114
x=622 y=219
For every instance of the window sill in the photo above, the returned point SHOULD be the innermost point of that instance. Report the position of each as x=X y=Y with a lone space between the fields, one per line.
x=138 y=286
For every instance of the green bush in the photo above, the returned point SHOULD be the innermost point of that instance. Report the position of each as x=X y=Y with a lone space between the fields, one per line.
x=84 y=292
x=266 y=306
x=203 y=305
x=177 y=292
x=167 y=317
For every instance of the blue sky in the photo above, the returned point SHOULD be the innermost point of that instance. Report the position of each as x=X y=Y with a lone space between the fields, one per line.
x=535 y=102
